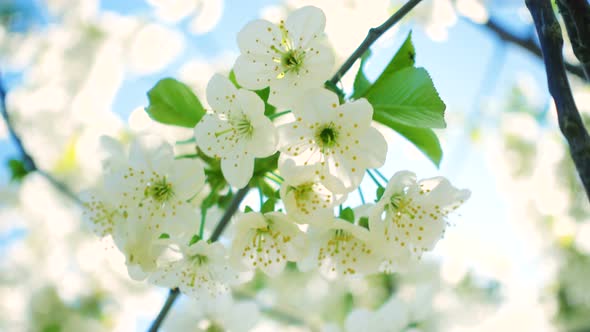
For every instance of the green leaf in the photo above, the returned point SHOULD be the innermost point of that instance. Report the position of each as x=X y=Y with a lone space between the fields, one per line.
x=364 y=222
x=164 y=236
x=347 y=214
x=408 y=97
x=194 y=240
x=268 y=206
x=174 y=103
x=248 y=209
x=404 y=57
x=17 y=169
x=379 y=193
x=361 y=82
x=423 y=138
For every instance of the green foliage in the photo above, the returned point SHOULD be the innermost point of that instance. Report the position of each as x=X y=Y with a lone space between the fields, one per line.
x=347 y=214
x=423 y=138
x=164 y=236
x=194 y=240
x=408 y=97
x=268 y=206
x=174 y=103
x=404 y=99
x=364 y=222
x=379 y=193
x=17 y=169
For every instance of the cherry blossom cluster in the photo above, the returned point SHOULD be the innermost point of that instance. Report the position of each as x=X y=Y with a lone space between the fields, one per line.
x=146 y=200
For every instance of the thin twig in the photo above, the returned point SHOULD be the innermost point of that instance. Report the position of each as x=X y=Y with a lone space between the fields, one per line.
x=529 y=44
x=231 y=209
x=372 y=36
x=576 y=15
x=172 y=295
x=223 y=222
x=570 y=121
x=28 y=162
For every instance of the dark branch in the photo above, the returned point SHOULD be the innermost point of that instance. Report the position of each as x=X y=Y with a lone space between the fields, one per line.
x=231 y=209
x=570 y=122
x=528 y=44
x=28 y=162
x=372 y=36
x=576 y=15
x=223 y=222
x=172 y=295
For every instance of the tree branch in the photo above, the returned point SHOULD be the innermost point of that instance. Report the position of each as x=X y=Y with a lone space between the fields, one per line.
x=372 y=36
x=231 y=209
x=172 y=295
x=223 y=222
x=576 y=15
x=528 y=44
x=28 y=162
x=569 y=119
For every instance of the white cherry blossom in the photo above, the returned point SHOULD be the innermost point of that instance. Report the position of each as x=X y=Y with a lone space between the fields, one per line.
x=266 y=241
x=152 y=181
x=236 y=131
x=338 y=138
x=411 y=216
x=143 y=194
x=305 y=198
x=341 y=249
x=290 y=57
x=203 y=272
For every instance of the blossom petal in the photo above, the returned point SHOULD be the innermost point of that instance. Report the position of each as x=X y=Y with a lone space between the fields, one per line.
x=238 y=169
x=221 y=94
x=255 y=73
x=305 y=24
x=206 y=135
x=187 y=177
x=259 y=37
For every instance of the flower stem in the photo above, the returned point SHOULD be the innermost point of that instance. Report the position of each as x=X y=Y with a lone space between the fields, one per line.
x=372 y=36
x=276 y=115
x=202 y=225
x=277 y=176
x=381 y=175
x=186 y=141
x=374 y=178
x=360 y=191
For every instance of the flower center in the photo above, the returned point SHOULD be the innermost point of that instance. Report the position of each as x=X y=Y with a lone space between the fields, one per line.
x=241 y=125
x=292 y=60
x=397 y=201
x=160 y=190
x=199 y=259
x=327 y=136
